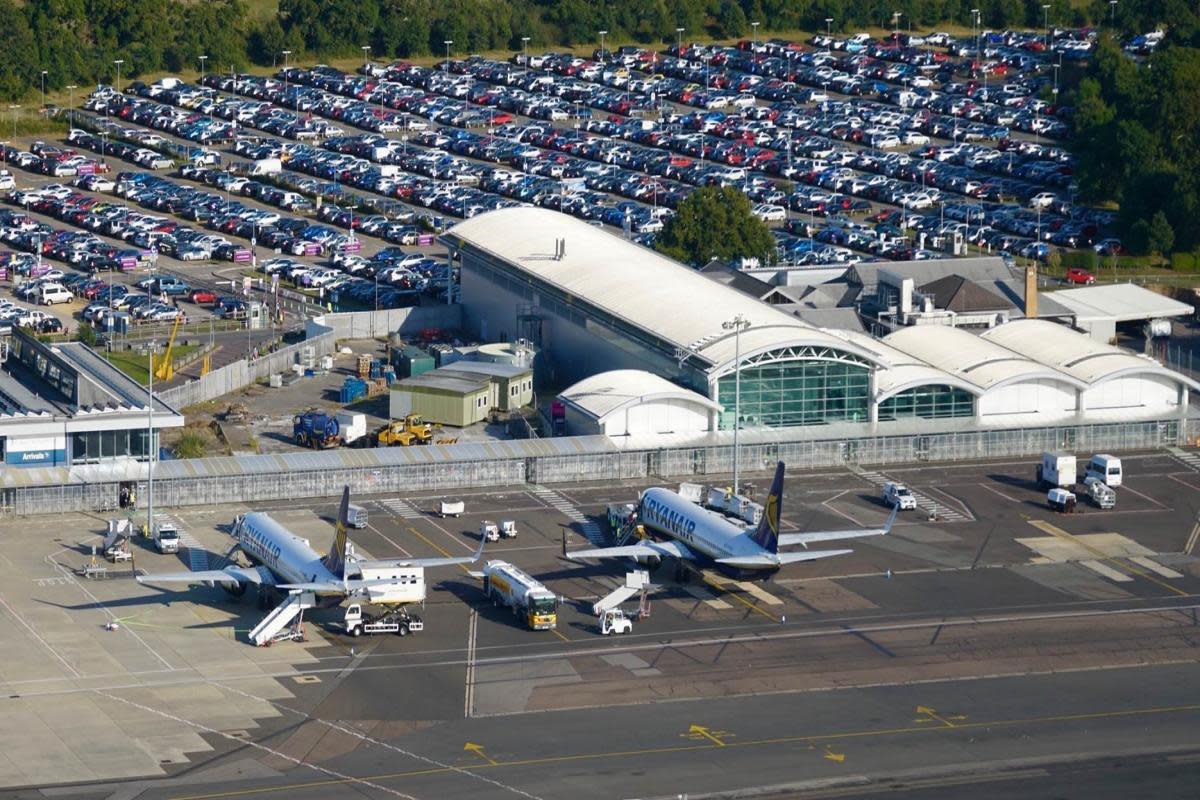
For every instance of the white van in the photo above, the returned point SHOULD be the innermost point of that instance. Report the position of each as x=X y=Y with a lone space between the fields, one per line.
x=1105 y=468
x=51 y=293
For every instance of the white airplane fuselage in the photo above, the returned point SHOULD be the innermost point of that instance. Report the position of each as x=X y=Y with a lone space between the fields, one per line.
x=708 y=534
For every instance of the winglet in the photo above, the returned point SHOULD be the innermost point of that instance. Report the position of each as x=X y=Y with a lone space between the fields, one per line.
x=478 y=550
x=335 y=559
x=887 y=526
x=766 y=535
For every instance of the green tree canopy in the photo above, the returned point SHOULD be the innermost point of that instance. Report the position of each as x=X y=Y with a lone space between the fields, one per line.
x=715 y=222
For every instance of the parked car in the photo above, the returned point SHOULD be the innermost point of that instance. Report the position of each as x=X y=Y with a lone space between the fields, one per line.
x=1080 y=276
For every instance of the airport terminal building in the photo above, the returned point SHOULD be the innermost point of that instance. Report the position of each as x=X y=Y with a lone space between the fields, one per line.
x=595 y=302
x=63 y=405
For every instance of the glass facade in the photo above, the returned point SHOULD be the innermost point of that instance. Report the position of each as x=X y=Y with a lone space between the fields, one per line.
x=928 y=402
x=801 y=392
x=93 y=446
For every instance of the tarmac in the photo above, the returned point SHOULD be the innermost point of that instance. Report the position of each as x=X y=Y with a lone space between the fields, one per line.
x=986 y=643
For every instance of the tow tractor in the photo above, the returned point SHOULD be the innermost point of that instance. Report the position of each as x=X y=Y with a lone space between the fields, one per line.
x=400 y=622
x=613 y=620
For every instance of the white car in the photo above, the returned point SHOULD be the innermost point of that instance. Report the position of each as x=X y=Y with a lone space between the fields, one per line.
x=898 y=495
x=770 y=213
x=51 y=293
x=1043 y=200
x=6 y=181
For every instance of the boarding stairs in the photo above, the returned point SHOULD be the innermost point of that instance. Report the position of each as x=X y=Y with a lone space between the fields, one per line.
x=285 y=622
x=635 y=582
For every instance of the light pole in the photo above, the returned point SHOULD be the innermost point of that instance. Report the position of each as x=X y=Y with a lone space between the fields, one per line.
x=603 y=52
x=43 y=90
x=13 y=108
x=679 y=41
x=71 y=105
x=1046 y=22
x=828 y=33
x=118 y=62
x=448 y=42
x=150 y=449
x=202 y=59
x=737 y=325
x=753 y=35
x=975 y=34
x=896 y=15
x=366 y=48
x=1112 y=13
x=286 y=53
x=525 y=52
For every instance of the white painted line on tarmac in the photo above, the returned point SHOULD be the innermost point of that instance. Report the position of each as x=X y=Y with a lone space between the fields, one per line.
x=469 y=701
x=1106 y=571
x=1155 y=567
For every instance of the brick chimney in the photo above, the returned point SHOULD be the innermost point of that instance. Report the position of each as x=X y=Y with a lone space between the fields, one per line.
x=1031 y=292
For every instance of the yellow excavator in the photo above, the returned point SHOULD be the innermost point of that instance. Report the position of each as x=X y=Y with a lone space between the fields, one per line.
x=165 y=369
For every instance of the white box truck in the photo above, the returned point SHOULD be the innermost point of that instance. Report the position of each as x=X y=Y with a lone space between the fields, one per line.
x=511 y=586
x=1056 y=468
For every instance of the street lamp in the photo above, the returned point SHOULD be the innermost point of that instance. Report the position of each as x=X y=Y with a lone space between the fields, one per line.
x=150 y=449
x=753 y=35
x=202 y=59
x=71 y=92
x=43 y=90
x=118 y=62
x=828 y=33
x=737 y=325
x=1112 y=13
x=366 y=48
x=1046 y=22
x=448 y=42
x=13 y=108
x=679 y=41
x=896 y=15
x=603 y=52
x=975 y=33
x=525 y=51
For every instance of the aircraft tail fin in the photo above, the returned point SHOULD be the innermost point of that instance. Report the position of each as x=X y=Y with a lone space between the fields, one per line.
x=335 y=559
x=766 y=535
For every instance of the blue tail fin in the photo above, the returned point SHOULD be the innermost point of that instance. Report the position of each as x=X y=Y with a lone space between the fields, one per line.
x=335 y=559
x=766 y=535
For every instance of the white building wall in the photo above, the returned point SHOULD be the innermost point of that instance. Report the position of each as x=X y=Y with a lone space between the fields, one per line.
x=1040 y=399
x=658 y=416
x=1150 y=392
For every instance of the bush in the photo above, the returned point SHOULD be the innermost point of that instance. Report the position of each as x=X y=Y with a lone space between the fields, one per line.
x=1083 y=259
x=1185 y=262
x=193 y=443
x=86 y=334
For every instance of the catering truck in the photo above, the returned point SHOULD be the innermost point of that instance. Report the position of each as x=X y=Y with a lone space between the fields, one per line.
x=525 y=595
x=1056 y=469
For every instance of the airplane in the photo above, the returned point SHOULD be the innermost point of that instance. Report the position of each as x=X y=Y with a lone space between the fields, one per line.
x=689 y=532
x=284 y=561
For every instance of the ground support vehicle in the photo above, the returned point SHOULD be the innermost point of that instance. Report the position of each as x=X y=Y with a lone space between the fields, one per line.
x=317 y=430
x=1061 y=500
x=398 y=621
x=1056 y=469
x=510 y=586
x=614 y=621
x=898 y=495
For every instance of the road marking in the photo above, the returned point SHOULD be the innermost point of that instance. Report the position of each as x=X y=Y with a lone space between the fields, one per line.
x=469 y=700
x=931 y=715
x=832 y=756
x=739 y=598
x=1191 y=542
x=588 y=527
x=477 y=749
x=1054 y=530
x=389 y=540
x=556 y=632
x=21 y=620
x=997 y=491
x=702 y=743
x=761 y=594
x=1106 y=571
x=699 y=732
x=1155 y=567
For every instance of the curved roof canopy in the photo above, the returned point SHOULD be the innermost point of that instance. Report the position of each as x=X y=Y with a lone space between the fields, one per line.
x=603 y=395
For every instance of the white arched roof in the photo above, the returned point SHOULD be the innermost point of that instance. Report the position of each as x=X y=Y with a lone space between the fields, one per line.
x=608 y=393
x=635 y=284
x=1076 y=354
x=899 y=371
x=972 y=358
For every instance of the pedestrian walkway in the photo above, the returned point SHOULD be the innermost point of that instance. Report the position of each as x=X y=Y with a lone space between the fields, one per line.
x=590 y=530
x=943 y=511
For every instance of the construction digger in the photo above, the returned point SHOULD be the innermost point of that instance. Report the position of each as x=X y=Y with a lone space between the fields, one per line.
x=405 y=432
x=164 y=370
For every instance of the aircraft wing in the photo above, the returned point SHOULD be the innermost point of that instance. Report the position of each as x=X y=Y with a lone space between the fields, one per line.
x=810 y=537
x=255 y=575
x=644 y=549
x=768 y=560
x=425 y=562
x=337 y=587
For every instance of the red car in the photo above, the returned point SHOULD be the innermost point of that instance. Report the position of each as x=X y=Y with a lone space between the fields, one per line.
x=1080 y=276
x=201 y=296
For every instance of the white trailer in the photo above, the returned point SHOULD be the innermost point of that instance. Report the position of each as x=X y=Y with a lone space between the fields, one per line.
x=511 y=586
x=356 y=622
x=1056 y=468
x=352 y=426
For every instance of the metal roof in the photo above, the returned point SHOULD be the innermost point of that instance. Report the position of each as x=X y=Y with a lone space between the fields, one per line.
x=1075 y=354
x=602 y=395
x=974 y=359
x=632 y=283
x=900 y=370
x=1119 y=302
x=445 y=380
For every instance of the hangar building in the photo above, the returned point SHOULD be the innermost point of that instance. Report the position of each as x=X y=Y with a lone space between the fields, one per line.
x=595 y=302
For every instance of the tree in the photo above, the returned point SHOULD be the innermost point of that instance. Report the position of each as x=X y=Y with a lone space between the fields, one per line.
x=18 y=51
x=716 y=222
x=1161 y=234
x=732 y=20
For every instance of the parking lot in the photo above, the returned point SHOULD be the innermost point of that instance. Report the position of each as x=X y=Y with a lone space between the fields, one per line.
x=851 y=150
x=981 y=579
